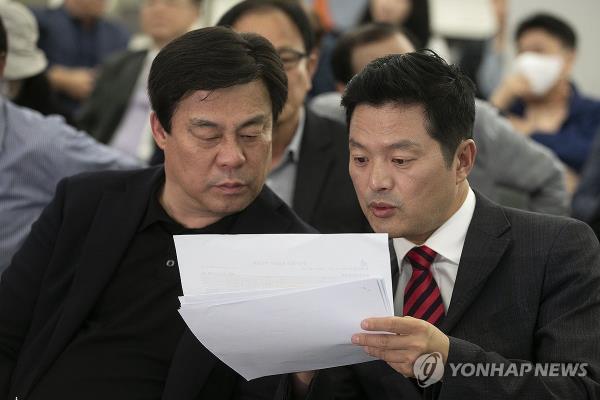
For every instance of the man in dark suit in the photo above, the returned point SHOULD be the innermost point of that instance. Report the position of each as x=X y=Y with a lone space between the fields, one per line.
x=118 y=111
x=478 y=287
x=309 y=170
x=88 y=307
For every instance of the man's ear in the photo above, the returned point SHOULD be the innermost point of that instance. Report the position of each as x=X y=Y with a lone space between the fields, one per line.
x=313 y=62
x=158 y=132
x=465 y=156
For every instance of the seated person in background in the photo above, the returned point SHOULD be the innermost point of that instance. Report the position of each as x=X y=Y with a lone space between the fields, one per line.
x=412 y=15
x=77 y=38
x=36 y=151
x=88 y=307
x=475 y=283
x=26 y=83
x=540 y=98
x=505 y=159
x=309 y=170
x=586 y=200
x=118 y=111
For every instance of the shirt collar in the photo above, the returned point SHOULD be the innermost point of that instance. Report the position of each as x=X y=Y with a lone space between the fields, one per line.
x=448 y=240
x=293 y=149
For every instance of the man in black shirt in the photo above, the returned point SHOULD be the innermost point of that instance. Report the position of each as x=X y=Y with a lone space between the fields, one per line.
x=88 y=307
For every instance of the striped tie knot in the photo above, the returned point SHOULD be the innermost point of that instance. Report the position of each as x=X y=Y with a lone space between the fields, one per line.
x=422 y=297
x=421 y=257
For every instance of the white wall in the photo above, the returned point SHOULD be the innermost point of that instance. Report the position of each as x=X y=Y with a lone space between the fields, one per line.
x=584 y=16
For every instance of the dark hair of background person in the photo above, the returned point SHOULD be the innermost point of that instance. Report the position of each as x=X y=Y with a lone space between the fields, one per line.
x=213 y=58
x=341 y=57
x=420 y=78
x=293 y=10
x=417 y=22
x=3 y=42
x=550 y=24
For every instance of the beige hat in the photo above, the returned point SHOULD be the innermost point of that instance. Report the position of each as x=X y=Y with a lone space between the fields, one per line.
x=24 y=59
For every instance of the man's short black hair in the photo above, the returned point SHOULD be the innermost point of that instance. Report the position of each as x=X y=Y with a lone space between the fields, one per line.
x=213 y=58
x=293 y=10
x=341 y=57
x=420 y=78
x=552 y=25
x=3 y=41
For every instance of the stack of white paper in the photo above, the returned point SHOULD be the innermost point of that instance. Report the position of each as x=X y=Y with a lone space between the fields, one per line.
x=271 y=304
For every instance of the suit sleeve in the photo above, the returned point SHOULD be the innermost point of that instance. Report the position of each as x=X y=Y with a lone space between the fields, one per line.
x=20 y=285
x=521 y=164
x=567 y=332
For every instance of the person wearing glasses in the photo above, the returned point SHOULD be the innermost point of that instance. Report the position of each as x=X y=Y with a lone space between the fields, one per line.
x=309 y=168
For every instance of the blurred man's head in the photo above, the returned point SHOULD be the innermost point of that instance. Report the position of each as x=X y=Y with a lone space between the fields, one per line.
x=410 y=119
x=165 y=20
x=546 y=46
x=356 y=48
x=86 y=9
x=390 y=11
x=215 y=94
x=287 y=27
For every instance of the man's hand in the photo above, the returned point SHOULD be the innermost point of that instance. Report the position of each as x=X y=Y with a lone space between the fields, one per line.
x=411 y=337
x=76 y=82
x=512 y=87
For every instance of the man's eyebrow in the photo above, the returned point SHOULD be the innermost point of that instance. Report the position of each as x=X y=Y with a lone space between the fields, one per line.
x=354 y=143
x=405 y=144
x=202 y=123
x=256 y=120
x=401 y=145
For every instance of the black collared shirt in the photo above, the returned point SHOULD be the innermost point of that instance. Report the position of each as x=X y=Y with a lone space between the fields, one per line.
x=125 y=347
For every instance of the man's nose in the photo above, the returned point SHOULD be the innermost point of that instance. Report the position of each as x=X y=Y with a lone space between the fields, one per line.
x=379 y=178
x=231 y=154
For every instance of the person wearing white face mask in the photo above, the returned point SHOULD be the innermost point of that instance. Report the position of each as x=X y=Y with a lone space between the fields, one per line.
x=540 y=98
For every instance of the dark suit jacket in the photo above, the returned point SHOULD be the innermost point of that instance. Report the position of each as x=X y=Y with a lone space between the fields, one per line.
x=527 y=289
x=101 y=114
x=323 y=196
x=69 y=258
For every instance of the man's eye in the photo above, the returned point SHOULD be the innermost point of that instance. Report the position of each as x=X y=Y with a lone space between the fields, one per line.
x=360 y=160
x=400 y=161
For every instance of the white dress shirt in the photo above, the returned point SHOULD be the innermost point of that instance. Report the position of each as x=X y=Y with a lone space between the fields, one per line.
x=133 y=134
x=447 y=241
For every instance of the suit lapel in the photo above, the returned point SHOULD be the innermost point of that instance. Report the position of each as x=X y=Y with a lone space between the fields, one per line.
x=487 y=240
x=313 y=165
x=118 y=216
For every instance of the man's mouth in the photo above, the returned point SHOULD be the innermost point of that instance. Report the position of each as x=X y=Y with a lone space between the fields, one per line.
x=381 y=209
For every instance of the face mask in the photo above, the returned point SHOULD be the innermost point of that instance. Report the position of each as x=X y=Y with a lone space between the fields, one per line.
x=541 y=71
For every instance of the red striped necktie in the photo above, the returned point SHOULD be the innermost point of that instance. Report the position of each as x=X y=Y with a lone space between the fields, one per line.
x=422 y=297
